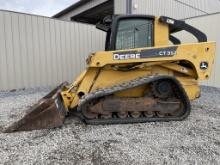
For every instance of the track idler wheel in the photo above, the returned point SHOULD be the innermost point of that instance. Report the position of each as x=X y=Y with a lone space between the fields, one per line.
x=135 y=114
x=122 y=114
x=149 y=114
x=106 y=116
x=162 y=89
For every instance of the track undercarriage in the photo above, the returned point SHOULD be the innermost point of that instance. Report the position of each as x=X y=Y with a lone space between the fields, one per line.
x=164 y=100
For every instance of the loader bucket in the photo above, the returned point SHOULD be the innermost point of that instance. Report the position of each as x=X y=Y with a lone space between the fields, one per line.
x=49 y=112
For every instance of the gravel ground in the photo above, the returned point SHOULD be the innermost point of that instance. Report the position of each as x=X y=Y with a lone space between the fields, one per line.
x=193 y=141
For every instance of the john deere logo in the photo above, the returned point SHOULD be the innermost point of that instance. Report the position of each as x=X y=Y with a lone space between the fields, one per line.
x=146 y=53
x=126 y=56
x=204 y=65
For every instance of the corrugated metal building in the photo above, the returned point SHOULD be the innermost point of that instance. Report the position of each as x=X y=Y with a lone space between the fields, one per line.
x=40 y=51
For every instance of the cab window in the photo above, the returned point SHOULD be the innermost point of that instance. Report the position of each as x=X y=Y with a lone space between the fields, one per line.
x=134 y=33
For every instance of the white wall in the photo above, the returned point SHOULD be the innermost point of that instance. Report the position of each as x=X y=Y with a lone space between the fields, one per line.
x=120 y=6
x=210 y=26
x=178 y=9
x=39 y=51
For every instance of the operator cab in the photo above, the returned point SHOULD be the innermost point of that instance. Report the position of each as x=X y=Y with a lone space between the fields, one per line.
x=127 y=32
x=138 y=31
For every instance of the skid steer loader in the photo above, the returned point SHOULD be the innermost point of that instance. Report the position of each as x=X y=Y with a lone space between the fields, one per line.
x=145 y=74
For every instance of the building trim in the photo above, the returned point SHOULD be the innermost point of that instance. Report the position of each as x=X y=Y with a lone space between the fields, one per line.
x=203 y=15
x=70 y=8
x=128 y=6
x=36 y=15
x=93 y=20
x=18 y=12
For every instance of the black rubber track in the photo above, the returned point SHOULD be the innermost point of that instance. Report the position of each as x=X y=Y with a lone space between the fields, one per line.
x=130 y=84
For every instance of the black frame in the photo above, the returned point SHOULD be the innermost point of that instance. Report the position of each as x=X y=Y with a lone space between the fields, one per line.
x=178 y=25
x=174 y=40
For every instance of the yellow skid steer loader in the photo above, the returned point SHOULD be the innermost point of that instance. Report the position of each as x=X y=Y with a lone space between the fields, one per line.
x=145 y=74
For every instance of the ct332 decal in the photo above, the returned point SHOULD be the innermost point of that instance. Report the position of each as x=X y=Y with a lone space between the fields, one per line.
x=148 y=53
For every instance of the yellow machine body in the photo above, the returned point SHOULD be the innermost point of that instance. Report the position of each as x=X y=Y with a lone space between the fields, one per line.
x=102 y=69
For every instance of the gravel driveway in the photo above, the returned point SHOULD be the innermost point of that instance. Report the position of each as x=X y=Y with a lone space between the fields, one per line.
x=193 y=141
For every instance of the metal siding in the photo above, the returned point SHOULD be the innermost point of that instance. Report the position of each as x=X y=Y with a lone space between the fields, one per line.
x=30 y=48
x=48 y=55
x=169 y=8
x=53 y=53
x=58 y=48
x=24 y=47
x=42 y=66
x=209 y=6
x=3 y=58
x=9 y=50
x=77 y=47
x=16 y=48
x=63 y=50
x=177 y=9
x=210 y=27
x=38 y=51
x=120 y=6
x=74 y=58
